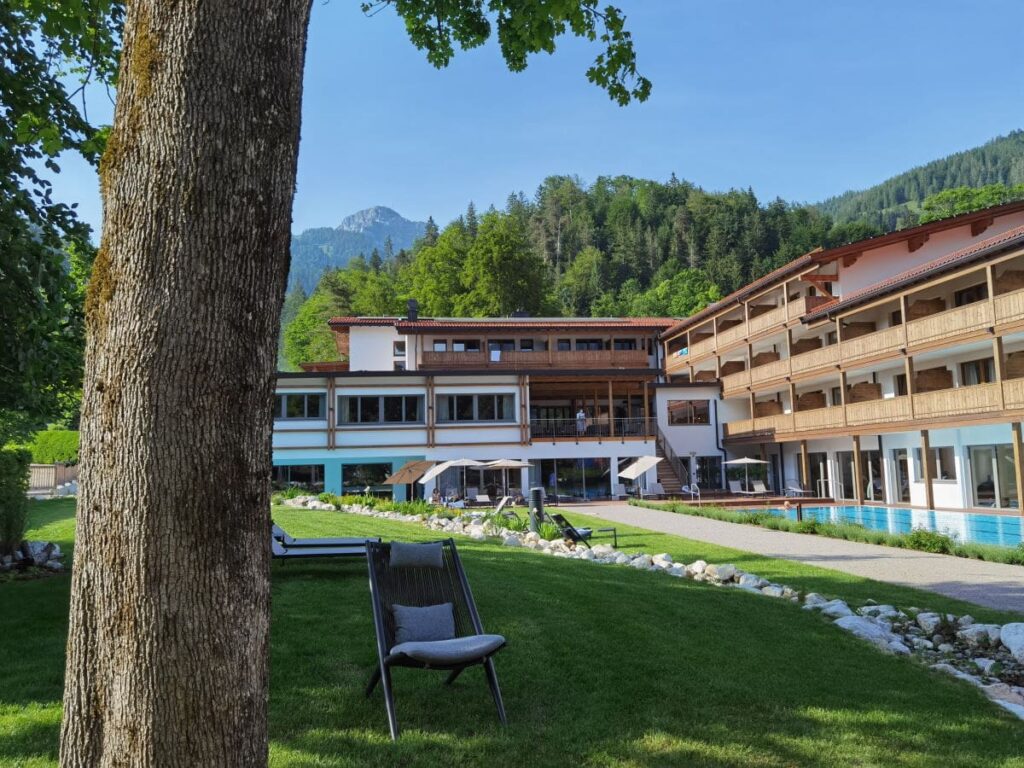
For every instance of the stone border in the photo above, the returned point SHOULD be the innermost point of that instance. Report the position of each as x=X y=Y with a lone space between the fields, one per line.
x=989 y=656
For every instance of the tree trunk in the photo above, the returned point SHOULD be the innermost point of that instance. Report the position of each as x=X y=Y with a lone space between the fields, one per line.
x=167 y=648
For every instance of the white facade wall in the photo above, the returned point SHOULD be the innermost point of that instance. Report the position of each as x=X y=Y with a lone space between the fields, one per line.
x=881 y=263
x=371 y=348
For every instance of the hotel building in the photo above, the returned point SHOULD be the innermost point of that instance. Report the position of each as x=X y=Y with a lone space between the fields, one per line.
x=890 y=370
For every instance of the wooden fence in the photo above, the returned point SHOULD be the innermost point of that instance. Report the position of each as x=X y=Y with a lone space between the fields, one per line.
x=46 y=477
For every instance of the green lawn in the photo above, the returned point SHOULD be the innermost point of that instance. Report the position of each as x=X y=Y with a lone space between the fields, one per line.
x=605 y=666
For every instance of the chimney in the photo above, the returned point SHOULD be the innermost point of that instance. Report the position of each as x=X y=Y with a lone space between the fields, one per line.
x=412 y=309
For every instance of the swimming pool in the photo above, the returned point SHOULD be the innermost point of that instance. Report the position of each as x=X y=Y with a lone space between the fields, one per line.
x=1001 y=530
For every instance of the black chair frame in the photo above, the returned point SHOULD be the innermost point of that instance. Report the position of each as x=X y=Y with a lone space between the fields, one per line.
x=420 y=586
x=583 y=537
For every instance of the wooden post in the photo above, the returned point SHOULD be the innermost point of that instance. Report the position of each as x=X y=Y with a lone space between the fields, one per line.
x=805 y=468
x=908 y=371
x=842 y=393
x=611 y=411
x=858 y=474
x=1018 y=463
x=647 y=413
x=1000 y=367
x=926 y=469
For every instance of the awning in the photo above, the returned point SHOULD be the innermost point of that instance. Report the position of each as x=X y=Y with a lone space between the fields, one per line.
x=638 y=467
x=409 y=473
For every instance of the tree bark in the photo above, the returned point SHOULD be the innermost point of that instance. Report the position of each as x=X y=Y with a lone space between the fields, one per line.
x=170 y=609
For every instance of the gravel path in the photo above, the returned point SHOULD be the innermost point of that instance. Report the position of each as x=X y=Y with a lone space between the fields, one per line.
x=991 y=584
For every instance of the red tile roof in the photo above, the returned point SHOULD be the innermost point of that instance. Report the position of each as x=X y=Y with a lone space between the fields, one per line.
x=921 y=272
x=429 y=324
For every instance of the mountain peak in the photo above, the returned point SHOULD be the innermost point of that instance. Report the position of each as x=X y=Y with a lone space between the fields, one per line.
x=368 y=218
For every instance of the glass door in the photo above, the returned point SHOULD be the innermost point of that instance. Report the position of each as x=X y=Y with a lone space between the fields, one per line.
x=901 y=461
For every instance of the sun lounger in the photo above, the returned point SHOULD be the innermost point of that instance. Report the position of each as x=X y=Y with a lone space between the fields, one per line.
x=759 y=488
x=736 y=487
x=796 y=490
x=292 y=543
x=653 y=491
x=281 y=552
x=425 y=617
x=581 y=535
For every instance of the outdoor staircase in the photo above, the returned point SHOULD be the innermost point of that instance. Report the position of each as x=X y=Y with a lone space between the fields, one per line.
x=667 y=476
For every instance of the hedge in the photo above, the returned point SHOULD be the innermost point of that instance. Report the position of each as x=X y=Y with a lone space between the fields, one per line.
x=55 y=446
x=13 y=497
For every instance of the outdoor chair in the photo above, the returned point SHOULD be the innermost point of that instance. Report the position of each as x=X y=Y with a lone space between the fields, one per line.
x=282 y=552
x=736 y=487
x=425 y=617
x=759 y=488
x=290 y=542
x=653 y=491
x=692 y=491
x=581 y=535
x=500 y=509
x=797 y=490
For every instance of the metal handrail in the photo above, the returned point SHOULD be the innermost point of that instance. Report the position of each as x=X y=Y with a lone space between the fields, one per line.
x=617 y=429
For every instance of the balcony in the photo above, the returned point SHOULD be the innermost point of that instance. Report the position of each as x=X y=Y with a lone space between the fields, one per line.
x=818 y=419
x=969 y=320
x=1010 y=308
x=730 y=336
x=961 y=401
x=769 y=372
x=516 y=360
x=768 y=320
x=878 y=411
x=735 y=382
x=1013 y=394
x=815 y=360
x=873 y=345
x=797 y=308
x=557 y=430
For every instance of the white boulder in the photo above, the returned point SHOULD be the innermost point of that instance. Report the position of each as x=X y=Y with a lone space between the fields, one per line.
x=696 y=567
x=642 y=561
x=512 y=541
x=724 y=572
x=865 y=629
x=773 y=590
x=980 y=635
x=812 y=599
x=835 y=609
x=1012 y=636
x=929 y=621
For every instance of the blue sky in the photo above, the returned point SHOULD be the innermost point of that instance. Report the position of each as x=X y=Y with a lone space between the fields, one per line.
x=795 y=99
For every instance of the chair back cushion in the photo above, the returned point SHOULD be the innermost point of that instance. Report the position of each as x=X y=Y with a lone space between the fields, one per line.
x=423 y=624
x=416 y=555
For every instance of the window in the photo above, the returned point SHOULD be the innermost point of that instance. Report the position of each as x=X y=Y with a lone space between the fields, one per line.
x=709 y=471
x=526 y=345
x=970 y=295
x=978 y=372
x=501 y=345
x=899 y=384
x=465 y=345
x=399 y=365
x=993 y=479
x=589 y=345
x=686 y=412
x=624 y=344
x=564 y=345
x=941 y=463
x=837 y=395
x=304 y=406
x=896 y=317
x=398 y=349
x=357 y=478
x=831 y=338
x=489 y=407
x=441 y=345
x=309 y=477
x=380 y=409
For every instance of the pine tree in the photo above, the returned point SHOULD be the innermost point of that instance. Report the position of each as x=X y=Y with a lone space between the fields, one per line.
x=430 y=232
x=471 y=219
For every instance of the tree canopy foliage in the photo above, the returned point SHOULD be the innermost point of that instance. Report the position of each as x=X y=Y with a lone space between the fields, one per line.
x=953 y=202
x=45 y=251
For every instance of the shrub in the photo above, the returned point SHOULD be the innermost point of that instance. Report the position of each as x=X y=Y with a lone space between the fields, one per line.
x=517 y=524
x=13 y=500
x=55 y=446
x=929 y=541
x=549 y=531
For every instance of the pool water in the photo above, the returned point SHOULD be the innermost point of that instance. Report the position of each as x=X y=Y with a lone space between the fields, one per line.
x=1001 y=530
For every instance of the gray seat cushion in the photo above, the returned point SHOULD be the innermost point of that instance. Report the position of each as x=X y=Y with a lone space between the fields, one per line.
x=416 y=555
x=429 y=622
x=459 y=650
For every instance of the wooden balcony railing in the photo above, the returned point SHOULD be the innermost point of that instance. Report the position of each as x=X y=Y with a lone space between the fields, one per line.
x=702 y=348
x=677 y=363
x=797 y=308
x=781 y=423
x=819 y=418
x=730 y=336
x=960 y=321
x=774 y=317
x=1013 y=393
x=769 y=372
x=1010 y=308
x=604 y=358
x=878 y=411
x=738 y=427
x=879 y=343
x=981 y=398
x=736 y=381
x=825 y=357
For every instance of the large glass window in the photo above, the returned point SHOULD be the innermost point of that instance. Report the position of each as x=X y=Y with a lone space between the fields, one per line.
x=365 y=478
x=686 y=412
x=380 y=409
x=589 y=345
x=941 y=463
x=624 y=344
x=818 y=466
x=398 y=349
x=501 y=345
x=709 y=471
x=299 y=406
x=970 y=295
x=978 y=372
x=496 y=407
x=902 y=466
x=465 y=345
x=993 y=479
x=309 y=477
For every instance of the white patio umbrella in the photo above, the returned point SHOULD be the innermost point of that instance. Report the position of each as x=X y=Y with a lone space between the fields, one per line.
x=437 y=470
x=745 y=462
x=505 y=465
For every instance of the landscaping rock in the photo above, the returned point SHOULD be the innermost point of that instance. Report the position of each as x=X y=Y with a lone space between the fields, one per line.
x=866 y=629
x=54 y=565
x=587 y=554
x=965 y=621
x=773 y=590
x=721 y=573
x=678 y=570
x=752 y=580
x=946 y=648
x=697 y=566
x=980 y=635
x=512 y=541
x=603 y=550
x=664 y=560
x=642 y=561
x=898 y=648
x=986 y=665
x=812 y=599
x=949 y=669
x=929 y=621
x=622 y=559
x=1012 y=636
x=835 y=609
x=884 y=611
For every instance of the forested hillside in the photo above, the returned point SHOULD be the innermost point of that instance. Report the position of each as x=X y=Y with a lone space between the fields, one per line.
x=896 y=203
x=620 y=246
